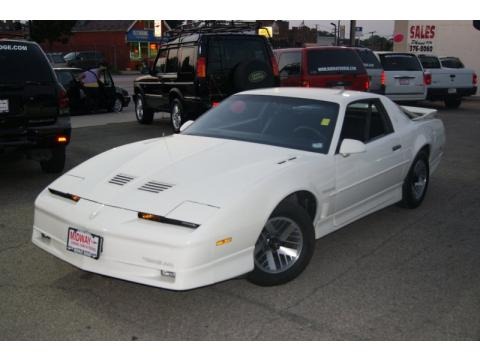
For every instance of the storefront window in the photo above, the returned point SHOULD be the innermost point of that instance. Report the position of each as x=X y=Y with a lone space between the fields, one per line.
x=135 y=51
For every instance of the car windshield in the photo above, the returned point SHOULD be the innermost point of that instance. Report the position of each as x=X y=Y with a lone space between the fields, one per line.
x=369 y=60
x=429 y=62
x=23 y=62
x=295 y=123
x=338 y=61
x=452 y=62
x=400 y=62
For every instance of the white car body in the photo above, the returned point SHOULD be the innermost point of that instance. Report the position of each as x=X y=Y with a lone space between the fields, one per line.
x=229 y=188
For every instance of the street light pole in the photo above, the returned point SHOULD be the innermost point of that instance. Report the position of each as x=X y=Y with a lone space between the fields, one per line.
x=372 y=39
x=336 y=34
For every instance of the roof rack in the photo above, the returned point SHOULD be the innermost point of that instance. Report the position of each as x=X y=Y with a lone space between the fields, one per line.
x=212 y=26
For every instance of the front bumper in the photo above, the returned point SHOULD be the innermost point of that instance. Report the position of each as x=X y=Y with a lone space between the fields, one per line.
x=135 y=249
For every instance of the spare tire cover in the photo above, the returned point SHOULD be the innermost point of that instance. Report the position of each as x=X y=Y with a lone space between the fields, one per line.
x=252 y=74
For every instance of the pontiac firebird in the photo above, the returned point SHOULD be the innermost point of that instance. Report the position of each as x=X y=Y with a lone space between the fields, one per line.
x=245 y=189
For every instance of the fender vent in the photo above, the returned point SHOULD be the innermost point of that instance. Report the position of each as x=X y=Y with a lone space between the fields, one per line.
x=154 y=187
x=121 y=179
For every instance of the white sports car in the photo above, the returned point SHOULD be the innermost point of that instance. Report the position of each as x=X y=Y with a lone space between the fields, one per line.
x=247 y=188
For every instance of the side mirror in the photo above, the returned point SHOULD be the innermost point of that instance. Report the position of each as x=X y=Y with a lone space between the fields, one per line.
x=350 y=146
x=185 y=125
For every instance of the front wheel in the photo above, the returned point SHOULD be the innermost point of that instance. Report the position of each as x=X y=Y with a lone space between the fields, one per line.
x=284 y=247
x=117 y=105
x=143 y=114
x=416 y=183
x=176 y=115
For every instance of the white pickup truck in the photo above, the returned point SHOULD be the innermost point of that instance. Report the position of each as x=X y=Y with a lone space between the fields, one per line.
x=448 y=84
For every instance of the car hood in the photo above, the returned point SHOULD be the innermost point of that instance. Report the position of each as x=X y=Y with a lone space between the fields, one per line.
x=157 y=176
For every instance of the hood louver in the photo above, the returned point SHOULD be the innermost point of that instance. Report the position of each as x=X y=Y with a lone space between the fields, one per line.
x=121 y=179
x=154 y=187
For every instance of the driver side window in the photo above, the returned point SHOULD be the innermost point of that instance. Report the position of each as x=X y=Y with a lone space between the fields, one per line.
x=365 y=121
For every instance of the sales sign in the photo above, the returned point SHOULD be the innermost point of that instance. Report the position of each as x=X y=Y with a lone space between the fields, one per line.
x=421 y=38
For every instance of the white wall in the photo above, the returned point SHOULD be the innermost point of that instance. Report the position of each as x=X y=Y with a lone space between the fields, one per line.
x=452 y=38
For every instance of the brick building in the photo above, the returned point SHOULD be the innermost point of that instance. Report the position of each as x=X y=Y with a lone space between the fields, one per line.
x=124 y=43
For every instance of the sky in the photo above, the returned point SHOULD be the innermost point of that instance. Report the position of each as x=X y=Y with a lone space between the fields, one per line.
x=382 y=27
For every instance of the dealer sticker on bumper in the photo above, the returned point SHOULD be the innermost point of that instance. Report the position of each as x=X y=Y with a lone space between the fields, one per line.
x=84 y=243
x=4 y=108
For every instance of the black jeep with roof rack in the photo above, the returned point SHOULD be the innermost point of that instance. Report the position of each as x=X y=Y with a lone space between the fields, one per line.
x=200 y=65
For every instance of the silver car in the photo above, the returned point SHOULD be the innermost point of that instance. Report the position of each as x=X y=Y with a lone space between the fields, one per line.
x=404 y=76
x=373 y=67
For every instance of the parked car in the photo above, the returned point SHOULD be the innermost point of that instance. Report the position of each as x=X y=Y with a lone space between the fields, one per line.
x=448 y=84
x=34 y=112
x=105 y=95
x=247 y=188
x=452 y=62
x=374 y=69
x=199 y=68
x=404 y=78
x=84 y=59
x=56 y=59
x=328 y=67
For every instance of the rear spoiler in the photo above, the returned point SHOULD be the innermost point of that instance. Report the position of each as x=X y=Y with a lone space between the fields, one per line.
x=418 y=113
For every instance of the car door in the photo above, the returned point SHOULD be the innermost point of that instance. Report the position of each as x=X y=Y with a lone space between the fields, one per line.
x=153 y=87
x=107 y=88
x=369 y=180
x=169 y=78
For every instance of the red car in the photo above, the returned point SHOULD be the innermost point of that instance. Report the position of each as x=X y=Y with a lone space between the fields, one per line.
x=327 y=67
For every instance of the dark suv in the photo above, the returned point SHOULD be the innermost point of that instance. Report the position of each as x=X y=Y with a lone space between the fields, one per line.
x=199 y=68
x=34 y=112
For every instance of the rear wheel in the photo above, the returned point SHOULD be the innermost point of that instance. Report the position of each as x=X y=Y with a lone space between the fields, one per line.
x=176 y=115
x=284 y=247
x=416 y=183
x=453 y=102
x=143 y=114
x=56 y=163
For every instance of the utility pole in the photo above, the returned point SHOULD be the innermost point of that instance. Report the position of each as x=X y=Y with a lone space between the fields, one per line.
x=335 y=32
x=372 y=40
x=353 y=25
x=338 y=33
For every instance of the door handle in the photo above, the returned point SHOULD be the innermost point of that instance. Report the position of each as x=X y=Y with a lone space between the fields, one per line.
x=396 y=147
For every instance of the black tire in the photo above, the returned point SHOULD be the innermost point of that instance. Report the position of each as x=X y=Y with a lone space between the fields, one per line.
x=453 y=102
x=56 y=163
x=143 y=114
x=252 y=74
x=287 y=213
x=412 y=196
x=177 y=115
x=117 y=105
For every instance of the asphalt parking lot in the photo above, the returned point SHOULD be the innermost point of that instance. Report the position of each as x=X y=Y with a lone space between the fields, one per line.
x=395 y=275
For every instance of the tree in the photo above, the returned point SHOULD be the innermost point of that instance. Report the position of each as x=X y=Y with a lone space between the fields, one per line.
x=378 y=43
x=51 y=30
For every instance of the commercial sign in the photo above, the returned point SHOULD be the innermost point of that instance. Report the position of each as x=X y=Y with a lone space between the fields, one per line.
x=266 y=31
x=358 y=31
x=142 y=36
x=157 y=28
x=421 y=38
